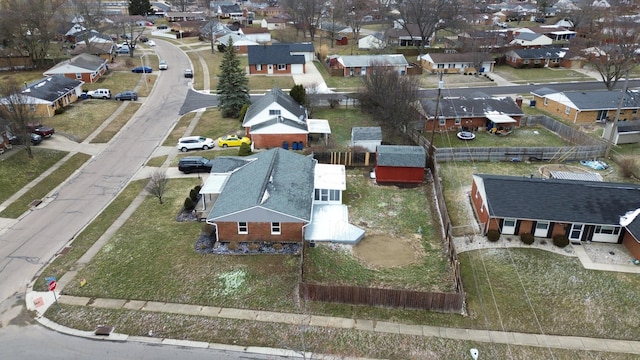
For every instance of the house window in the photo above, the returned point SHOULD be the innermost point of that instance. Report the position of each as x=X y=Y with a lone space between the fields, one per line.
x=451 y=66
x=259 y=67
x=635 y=111
x=567 y=110
x=458 y=120
x=282 y=66
x=440 y=66
x=78 y=76
x=274 y=112
x=546 y=101
x=555 y=61
x=609 y=230
x=275 y=228
x=327 y=195
x=526 y=62
x=536 y=61
x=442 y=121
x=32 y=107
x=243 y=228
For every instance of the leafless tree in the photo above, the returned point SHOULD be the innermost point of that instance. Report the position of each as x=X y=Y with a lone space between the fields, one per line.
x=182 y=4
x=307 y=14
x=427 y=16
x=18 y=110
x=90 y=15
x=158 y=184
x=356 y=10
x=613 y=50
x=36 y=29
x=583 y=19
x=388 y=96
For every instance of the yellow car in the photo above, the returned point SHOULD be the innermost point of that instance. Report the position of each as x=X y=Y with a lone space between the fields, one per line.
x=233 y=140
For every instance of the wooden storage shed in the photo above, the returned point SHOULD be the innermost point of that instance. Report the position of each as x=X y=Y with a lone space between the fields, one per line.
x=400 y=164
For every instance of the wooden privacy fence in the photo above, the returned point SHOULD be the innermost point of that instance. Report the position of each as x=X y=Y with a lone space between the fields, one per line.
x=347 y=158
x=443 y=302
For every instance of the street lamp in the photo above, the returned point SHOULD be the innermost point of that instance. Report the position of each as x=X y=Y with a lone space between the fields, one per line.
x=144 y=71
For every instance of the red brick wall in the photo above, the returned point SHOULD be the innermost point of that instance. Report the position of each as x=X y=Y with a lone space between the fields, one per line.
x=267 y=141
x=481 y=211
x=394 y=174
x=290 y=232
x=631 y=244
x=476 y=122
x=265 y=71
x=253 y=70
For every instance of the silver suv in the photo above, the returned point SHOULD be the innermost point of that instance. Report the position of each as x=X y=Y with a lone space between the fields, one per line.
x=195 y=142
x=99 y=94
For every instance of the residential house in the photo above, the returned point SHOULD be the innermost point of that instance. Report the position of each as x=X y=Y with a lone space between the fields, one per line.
x=257 y=34
x=457 y=63
x=408 y=36
x=530 y=39
x=360 y=65
x=400 y=164
x=366 y=137
x=86 y=67
x=278 y=196
x=583 y=211
x=14 y=59
x=49 y=94
x=214 y=27
x=487 y=40
x=375 y=41
x=535 y=57
x=554 y=32
x=271 y=11
x=274 y=60
x=274 y=119
x=173 y=16
x=105 y=51
x=587 y=107
x=274 y=23
x=240 y=43
x=625 y=132
x=473 y=114
x=303 y=48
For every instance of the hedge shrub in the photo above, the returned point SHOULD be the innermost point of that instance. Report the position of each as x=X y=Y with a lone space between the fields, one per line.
x=527 y=238
x=493 y=235
x=560 y=240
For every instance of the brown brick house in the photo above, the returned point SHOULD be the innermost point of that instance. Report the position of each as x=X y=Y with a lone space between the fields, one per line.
x=274 y=60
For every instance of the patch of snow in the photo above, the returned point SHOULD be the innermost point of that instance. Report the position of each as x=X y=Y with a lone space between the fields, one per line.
x=628 y=218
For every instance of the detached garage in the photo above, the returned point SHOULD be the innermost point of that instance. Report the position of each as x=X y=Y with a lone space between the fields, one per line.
x=400 y=164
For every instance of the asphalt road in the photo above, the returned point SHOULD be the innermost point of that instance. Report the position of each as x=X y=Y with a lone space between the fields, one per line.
x=29 y=244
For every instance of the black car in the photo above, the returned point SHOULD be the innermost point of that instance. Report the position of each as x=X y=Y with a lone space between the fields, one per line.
x=189 y=164
x=188 y=73
x=34 y=138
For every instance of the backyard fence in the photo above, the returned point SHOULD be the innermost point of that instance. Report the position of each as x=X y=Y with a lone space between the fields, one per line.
x=346 y=158
x=442 y=302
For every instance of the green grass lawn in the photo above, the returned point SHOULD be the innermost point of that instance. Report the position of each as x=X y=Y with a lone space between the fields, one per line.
x=179 y=129
x=18 y=170
x=539 y=75
x=521 y=137
x=116 y=124
x=41 y=189
x=82 y=118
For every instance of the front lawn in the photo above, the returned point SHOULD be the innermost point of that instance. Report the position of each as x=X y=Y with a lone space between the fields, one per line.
x=532 y=136
x=539 y=75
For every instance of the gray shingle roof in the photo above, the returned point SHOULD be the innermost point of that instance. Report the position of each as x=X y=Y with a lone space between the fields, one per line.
x=628 y=126
x=368 y=60
x=300 y=47
x=439 y=58
x=590 y=202
x=279 y=119
x=276 y=95
x=598 y=100
x=273 y=54
x=451 y=108
x=401 y=156
x=527 y=36
x=540 y=53
x=277 y=180
x=51 y=88
x=543 y=91
x=87 y=61
x=366 y=133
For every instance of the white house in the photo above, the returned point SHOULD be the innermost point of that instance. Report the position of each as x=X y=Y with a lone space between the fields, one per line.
x=374 y=41
x=273 y=23
x=529 y=39
x=450 y=63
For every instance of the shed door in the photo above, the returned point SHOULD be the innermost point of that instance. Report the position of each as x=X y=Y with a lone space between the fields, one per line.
x=509 y=226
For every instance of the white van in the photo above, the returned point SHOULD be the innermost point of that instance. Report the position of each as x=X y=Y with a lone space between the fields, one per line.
x=99 y=94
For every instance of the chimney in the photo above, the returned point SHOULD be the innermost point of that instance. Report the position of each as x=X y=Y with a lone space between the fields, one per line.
x=519 y=101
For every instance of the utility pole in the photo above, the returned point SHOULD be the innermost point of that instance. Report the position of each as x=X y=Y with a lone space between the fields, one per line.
x=614 y=125
x=435 y=118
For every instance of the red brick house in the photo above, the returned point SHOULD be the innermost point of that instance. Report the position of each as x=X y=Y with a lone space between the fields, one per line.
x=400 y=164
x=274 y=60
x=580 y=210
x=477 y=114
x=85 y=67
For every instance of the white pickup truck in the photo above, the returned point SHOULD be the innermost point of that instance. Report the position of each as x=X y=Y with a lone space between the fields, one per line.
x=99 y=94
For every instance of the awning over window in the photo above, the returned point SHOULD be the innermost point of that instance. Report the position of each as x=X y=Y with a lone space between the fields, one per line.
x=500 y=118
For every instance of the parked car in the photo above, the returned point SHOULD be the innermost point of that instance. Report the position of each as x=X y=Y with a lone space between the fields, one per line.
x=123 y=50
x=195 y=142
x=151 y=43
x=541 y=20
x=41 y=130
x=34 y=138
x=99 y=94
x=127 y=95
x=142 y=69
x=162 y=27
x=233 y=140
x=189 y=164
x=163 y=65
x=188 y=73
x=143 y=39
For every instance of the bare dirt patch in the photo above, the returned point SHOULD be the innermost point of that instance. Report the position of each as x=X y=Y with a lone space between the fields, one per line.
x=384 y=251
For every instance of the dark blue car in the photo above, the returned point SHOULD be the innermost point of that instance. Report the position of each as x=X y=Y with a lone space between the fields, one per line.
x=142 y=69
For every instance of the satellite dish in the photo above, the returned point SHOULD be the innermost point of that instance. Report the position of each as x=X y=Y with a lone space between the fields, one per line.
x=474 y=354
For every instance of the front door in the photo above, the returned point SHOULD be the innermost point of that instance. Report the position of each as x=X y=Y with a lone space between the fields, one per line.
x=509 y=226
x=270 y=69
x=575 y=234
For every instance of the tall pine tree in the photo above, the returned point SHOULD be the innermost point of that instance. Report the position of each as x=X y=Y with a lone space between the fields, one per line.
x=233 y=85
x=139 y=7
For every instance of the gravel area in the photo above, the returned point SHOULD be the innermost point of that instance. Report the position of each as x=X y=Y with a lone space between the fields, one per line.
x=598 y=252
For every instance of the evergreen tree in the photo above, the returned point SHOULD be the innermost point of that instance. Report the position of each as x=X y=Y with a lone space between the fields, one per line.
x=299 y=94
x=233 y=85
x=139 y=7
